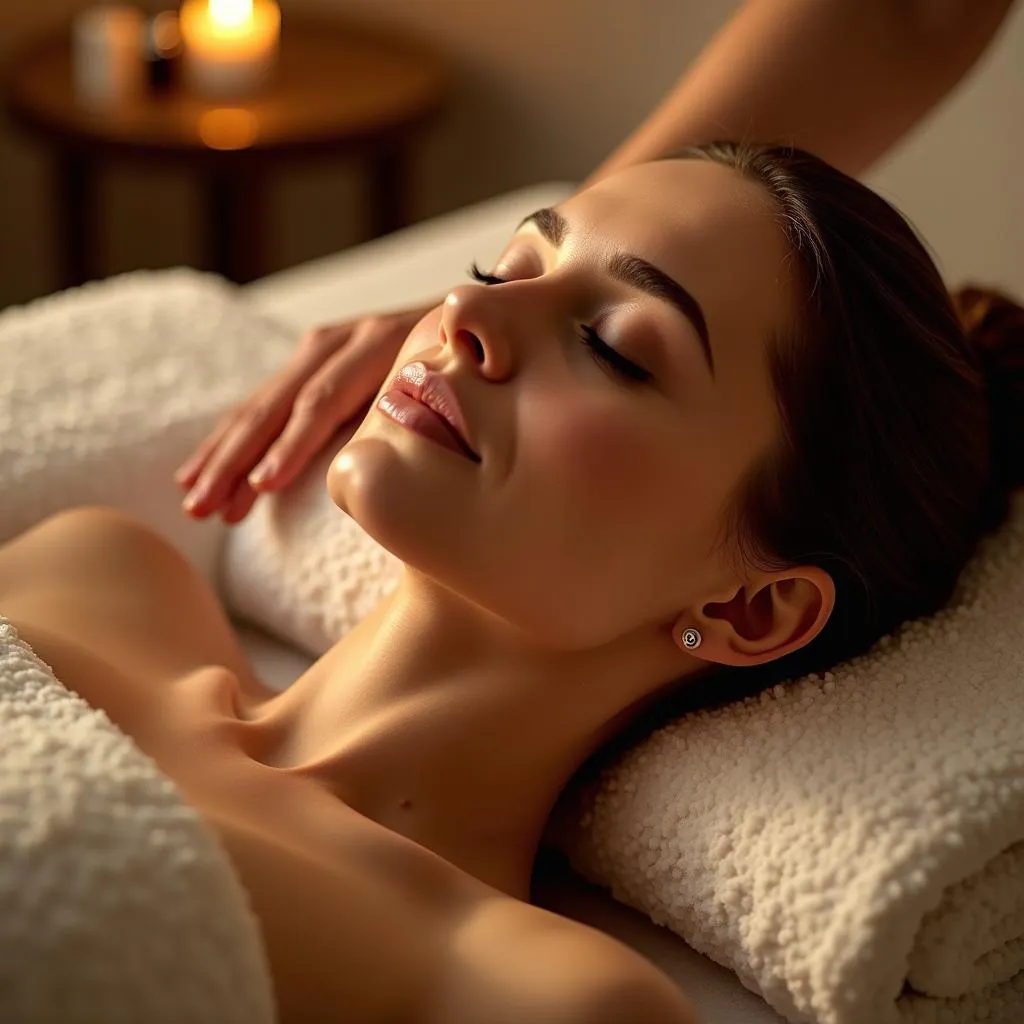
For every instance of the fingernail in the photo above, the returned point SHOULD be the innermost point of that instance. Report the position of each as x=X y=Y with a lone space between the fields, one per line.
x=185 y=470
x=194 y=497
x=263 y=472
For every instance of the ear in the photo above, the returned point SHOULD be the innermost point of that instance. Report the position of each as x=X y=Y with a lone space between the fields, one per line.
x=764 y=620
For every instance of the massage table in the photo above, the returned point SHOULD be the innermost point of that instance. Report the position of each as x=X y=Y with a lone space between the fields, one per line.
x=844 y=849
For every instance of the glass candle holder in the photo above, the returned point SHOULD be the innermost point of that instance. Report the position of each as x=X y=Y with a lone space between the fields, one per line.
x=230 y=45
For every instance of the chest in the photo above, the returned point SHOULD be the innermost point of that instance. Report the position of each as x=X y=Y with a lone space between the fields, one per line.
x=351 y=915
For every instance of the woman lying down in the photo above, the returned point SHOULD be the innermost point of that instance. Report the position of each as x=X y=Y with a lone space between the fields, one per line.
x=717 y=410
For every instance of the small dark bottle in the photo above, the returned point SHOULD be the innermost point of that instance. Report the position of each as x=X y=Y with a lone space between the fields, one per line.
x=161 y=49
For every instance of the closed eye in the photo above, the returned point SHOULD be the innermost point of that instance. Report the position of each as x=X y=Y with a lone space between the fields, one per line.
x=609 y=358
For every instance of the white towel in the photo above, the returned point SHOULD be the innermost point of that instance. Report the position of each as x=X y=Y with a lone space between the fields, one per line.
x=852 y=847
x=117 y=902
x=302 y=570
x=105 y=389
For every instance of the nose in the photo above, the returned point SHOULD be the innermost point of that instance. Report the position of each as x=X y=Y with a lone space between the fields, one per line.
x=470 y=326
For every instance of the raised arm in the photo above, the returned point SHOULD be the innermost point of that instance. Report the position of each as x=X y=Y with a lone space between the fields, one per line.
x=845 y=79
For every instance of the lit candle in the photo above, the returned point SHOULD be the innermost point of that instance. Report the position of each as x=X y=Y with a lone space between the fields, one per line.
x=230 y=45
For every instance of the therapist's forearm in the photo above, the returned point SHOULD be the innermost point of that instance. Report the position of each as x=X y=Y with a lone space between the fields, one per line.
x=845 y=79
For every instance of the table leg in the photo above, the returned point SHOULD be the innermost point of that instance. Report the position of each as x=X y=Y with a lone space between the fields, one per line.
x=234 y=225
x=389 y=189
x=77 y=238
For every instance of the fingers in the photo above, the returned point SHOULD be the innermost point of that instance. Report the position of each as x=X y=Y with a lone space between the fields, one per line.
x=239 y=504
x=333 y=375
x=189 y=470
x=240 y=447
x=243 y=435
x=331 y=397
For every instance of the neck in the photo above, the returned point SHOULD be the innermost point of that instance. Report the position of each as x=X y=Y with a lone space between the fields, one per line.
x=452 y=729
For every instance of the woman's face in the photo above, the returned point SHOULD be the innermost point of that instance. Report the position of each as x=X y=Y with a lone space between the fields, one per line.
x=597 y=502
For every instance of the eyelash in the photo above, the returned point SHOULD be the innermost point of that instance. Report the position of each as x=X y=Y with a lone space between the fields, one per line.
x=623 y=368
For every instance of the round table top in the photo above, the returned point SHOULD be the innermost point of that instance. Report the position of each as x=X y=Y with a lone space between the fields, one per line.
x=334 y=85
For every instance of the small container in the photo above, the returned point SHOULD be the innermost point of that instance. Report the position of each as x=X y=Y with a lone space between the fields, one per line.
x=106 y=45
x=162 y=51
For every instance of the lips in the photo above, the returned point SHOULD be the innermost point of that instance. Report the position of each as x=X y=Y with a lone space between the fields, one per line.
x=432 y=390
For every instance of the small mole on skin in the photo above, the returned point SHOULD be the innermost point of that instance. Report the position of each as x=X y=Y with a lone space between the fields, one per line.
x=405 y=804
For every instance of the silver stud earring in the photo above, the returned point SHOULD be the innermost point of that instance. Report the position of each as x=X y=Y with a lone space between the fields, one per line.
x=691 y=638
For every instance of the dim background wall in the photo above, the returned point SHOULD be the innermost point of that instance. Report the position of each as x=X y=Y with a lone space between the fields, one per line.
x=546 y=89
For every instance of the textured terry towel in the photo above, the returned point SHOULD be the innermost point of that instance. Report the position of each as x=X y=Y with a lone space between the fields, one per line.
x=852 y=846
x=105 y=389
x=117 y=903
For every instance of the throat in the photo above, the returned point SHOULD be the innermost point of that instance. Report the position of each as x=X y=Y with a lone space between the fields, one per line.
x=393 y=768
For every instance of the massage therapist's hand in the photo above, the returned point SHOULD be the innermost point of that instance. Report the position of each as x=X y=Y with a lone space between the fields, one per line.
x=265 y=443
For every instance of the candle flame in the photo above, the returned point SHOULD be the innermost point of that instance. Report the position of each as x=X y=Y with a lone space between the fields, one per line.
x=230 y=13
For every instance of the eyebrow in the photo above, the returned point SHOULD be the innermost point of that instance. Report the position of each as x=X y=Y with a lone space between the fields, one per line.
x=636 y=272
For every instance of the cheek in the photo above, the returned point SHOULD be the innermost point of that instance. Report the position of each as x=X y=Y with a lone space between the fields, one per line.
x=601 y=451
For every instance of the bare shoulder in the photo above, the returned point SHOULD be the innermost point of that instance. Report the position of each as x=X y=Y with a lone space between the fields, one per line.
x=642 y=996
x=511 y=961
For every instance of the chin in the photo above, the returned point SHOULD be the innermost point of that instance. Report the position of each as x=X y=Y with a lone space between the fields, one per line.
x=356 y=478
x=418 y=506
x=404 y=501
x=411 y=512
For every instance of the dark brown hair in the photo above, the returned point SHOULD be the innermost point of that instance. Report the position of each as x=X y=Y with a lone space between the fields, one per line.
x=901 y=415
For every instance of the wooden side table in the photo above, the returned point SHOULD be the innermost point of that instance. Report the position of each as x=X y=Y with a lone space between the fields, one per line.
x=338 y=90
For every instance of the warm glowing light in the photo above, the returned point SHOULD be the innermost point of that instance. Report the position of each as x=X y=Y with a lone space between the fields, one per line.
x=230 y=45
x=166 y=33
x=228 y=128
x=230 y=13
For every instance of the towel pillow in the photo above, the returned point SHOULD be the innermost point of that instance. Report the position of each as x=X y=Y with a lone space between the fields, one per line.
x=105 y=389
x=300 y=568
x=117 y=902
